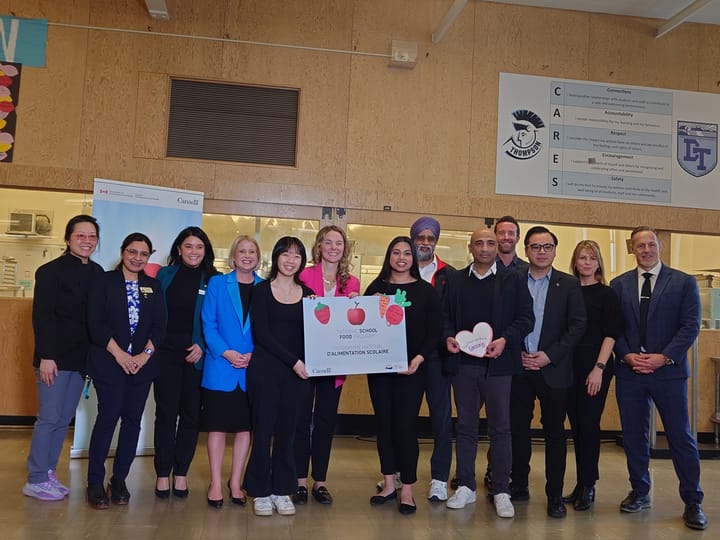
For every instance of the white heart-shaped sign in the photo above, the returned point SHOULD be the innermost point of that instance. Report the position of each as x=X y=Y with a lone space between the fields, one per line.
x=475 y=343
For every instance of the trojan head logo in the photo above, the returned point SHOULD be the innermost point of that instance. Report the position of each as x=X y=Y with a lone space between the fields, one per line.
x=525 y=142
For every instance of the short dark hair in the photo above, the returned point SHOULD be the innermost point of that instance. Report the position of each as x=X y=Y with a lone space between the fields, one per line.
x=539 y=229
x=642 y=228
x=129 y=239
x=285 y=244
x=82 y=218
x=507 y=219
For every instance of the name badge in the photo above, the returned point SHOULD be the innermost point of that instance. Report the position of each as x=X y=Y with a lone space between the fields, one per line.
x=146 y=290
x=201 y=291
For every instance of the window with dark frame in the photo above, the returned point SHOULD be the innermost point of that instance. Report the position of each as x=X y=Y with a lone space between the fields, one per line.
x=232 y=122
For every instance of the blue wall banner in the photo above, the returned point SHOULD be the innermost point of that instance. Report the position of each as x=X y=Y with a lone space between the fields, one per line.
x=23 y=40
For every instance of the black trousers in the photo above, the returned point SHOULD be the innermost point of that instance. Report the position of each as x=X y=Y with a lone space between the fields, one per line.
x=553 y=405
x=584 y=412
x=121 y=400
x=274 y=393
x=317 y=413
x=177 y=412
x=396 y=401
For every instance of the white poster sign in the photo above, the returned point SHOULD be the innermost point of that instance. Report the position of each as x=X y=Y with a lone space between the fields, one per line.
x=607 y=142
x=347 y=336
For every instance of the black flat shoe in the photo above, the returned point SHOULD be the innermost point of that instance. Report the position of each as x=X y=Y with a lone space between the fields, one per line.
x=407 y=509
x=180 y=493
x=240 y=501
x=300 y=496
x=519 y=493
x=377 y=500
x=322 y=495
x=570 y=498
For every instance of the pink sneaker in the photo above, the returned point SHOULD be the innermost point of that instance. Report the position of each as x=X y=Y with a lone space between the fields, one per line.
x=44 y=491
x=53 y=481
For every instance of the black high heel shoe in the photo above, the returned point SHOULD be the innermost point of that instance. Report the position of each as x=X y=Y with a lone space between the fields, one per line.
x=180 y=493
x=240 y=501
x=162 y=493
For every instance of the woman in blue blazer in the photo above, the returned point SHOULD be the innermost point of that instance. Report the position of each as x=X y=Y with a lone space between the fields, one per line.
x=126 y=318
x=226 y=324
x=177 y=388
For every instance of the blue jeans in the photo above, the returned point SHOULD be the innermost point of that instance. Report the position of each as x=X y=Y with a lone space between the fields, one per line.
x=57 y=406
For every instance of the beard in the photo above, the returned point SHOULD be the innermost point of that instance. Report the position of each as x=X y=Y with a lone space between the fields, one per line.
x=424 y=255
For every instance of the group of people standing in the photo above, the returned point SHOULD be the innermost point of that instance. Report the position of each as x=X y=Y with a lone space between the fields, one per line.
x=226 y=353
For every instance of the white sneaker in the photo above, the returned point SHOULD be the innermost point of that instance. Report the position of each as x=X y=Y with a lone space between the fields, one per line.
x=263 y=506
x=503 y=506
x=438 y=491
x=381 y=484
x=283 y=504
x=463 y=496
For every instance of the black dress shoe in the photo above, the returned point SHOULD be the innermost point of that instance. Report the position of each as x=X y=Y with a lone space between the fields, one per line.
x=634 y=502
x=584 y=499
x=556 y=507
x=407 y=509
x=377 y=500
x=321 y=495
x=519 y=493
x=96 y=496
x=240 y=501
x=300 y=496
x=570 y=498
x=118 y=492
x=180 y=493
x=694 y=516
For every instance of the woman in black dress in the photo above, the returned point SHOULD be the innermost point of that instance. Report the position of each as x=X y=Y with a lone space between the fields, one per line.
x=275 y=375
x=396 y=397
x=593 y=369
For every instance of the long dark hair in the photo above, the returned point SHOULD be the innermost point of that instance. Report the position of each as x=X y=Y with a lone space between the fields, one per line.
x=81 y=218
x=129 y=239
x=385 y=271
x=207 y=266
x=285 y=244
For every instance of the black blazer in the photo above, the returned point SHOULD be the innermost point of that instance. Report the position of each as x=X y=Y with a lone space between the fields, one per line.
x=512 y=317
x=563 y=326
x=108 y=318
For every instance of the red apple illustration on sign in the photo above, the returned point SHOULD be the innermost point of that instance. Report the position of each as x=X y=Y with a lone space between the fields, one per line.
x=356 y=315
x=322 y=313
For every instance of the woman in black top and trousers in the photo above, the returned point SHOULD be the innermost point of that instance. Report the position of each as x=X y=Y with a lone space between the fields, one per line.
x=396 y=397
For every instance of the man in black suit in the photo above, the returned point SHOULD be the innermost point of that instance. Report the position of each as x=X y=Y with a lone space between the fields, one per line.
x=661 y=314
x=560 y=322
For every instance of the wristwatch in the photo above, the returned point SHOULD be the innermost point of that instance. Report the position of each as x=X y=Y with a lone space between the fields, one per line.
x=669 y=361
x=600 y=365
x=148 y=351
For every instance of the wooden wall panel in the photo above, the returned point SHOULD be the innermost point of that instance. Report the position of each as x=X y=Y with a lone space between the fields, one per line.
x=19 y=393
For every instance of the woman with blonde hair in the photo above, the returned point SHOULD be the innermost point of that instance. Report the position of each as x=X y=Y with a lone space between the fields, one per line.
x=329 y=276
x=593 y=369
x=226 y=323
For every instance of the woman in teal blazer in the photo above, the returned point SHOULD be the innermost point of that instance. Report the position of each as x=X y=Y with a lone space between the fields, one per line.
x=226 y=325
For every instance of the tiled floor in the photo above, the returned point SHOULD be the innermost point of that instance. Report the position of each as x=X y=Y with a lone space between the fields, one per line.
x=353 y=473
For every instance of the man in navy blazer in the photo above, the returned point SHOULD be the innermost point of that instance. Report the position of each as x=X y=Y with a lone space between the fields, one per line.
x=655 y=366
x=560 y=321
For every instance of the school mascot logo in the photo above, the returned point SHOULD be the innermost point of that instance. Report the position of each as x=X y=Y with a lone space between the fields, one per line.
x=697 y=147
x=525 y=143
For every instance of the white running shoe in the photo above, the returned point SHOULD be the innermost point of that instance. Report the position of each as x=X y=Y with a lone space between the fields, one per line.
x=43 y=491
x=263 y=506
x=463 y=496
x=283 y=504
x=438 y=491
x=503 y=506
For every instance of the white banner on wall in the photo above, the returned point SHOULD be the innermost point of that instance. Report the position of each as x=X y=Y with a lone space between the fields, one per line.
x=617 y=143
x=122 y=208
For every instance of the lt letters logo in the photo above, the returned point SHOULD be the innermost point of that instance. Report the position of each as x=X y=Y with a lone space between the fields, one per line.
x=697 y=147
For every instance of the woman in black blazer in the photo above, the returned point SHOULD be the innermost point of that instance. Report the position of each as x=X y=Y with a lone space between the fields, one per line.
x=126 y=318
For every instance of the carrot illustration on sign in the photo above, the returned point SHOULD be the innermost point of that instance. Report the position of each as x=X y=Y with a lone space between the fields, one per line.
x=384 y=303
x=322 y=313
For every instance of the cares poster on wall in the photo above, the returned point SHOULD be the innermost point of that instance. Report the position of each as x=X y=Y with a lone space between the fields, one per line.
x=607 y=142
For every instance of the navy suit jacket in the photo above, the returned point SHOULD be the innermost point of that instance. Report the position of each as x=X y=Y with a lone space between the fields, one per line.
x=673 y=320
x=108 y=318
x=563 y=326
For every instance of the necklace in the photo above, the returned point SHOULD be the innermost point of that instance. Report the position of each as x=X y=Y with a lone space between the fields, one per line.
x=284 y=293
x=328 y=281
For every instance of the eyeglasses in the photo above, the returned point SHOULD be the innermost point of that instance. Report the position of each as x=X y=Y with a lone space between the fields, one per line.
x=429 y=238
x=135 y=253
x=536 y=248
x=85 y=237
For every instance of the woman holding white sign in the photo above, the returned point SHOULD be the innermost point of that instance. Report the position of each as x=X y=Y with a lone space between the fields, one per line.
x=396 y=397
x=329 y=276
